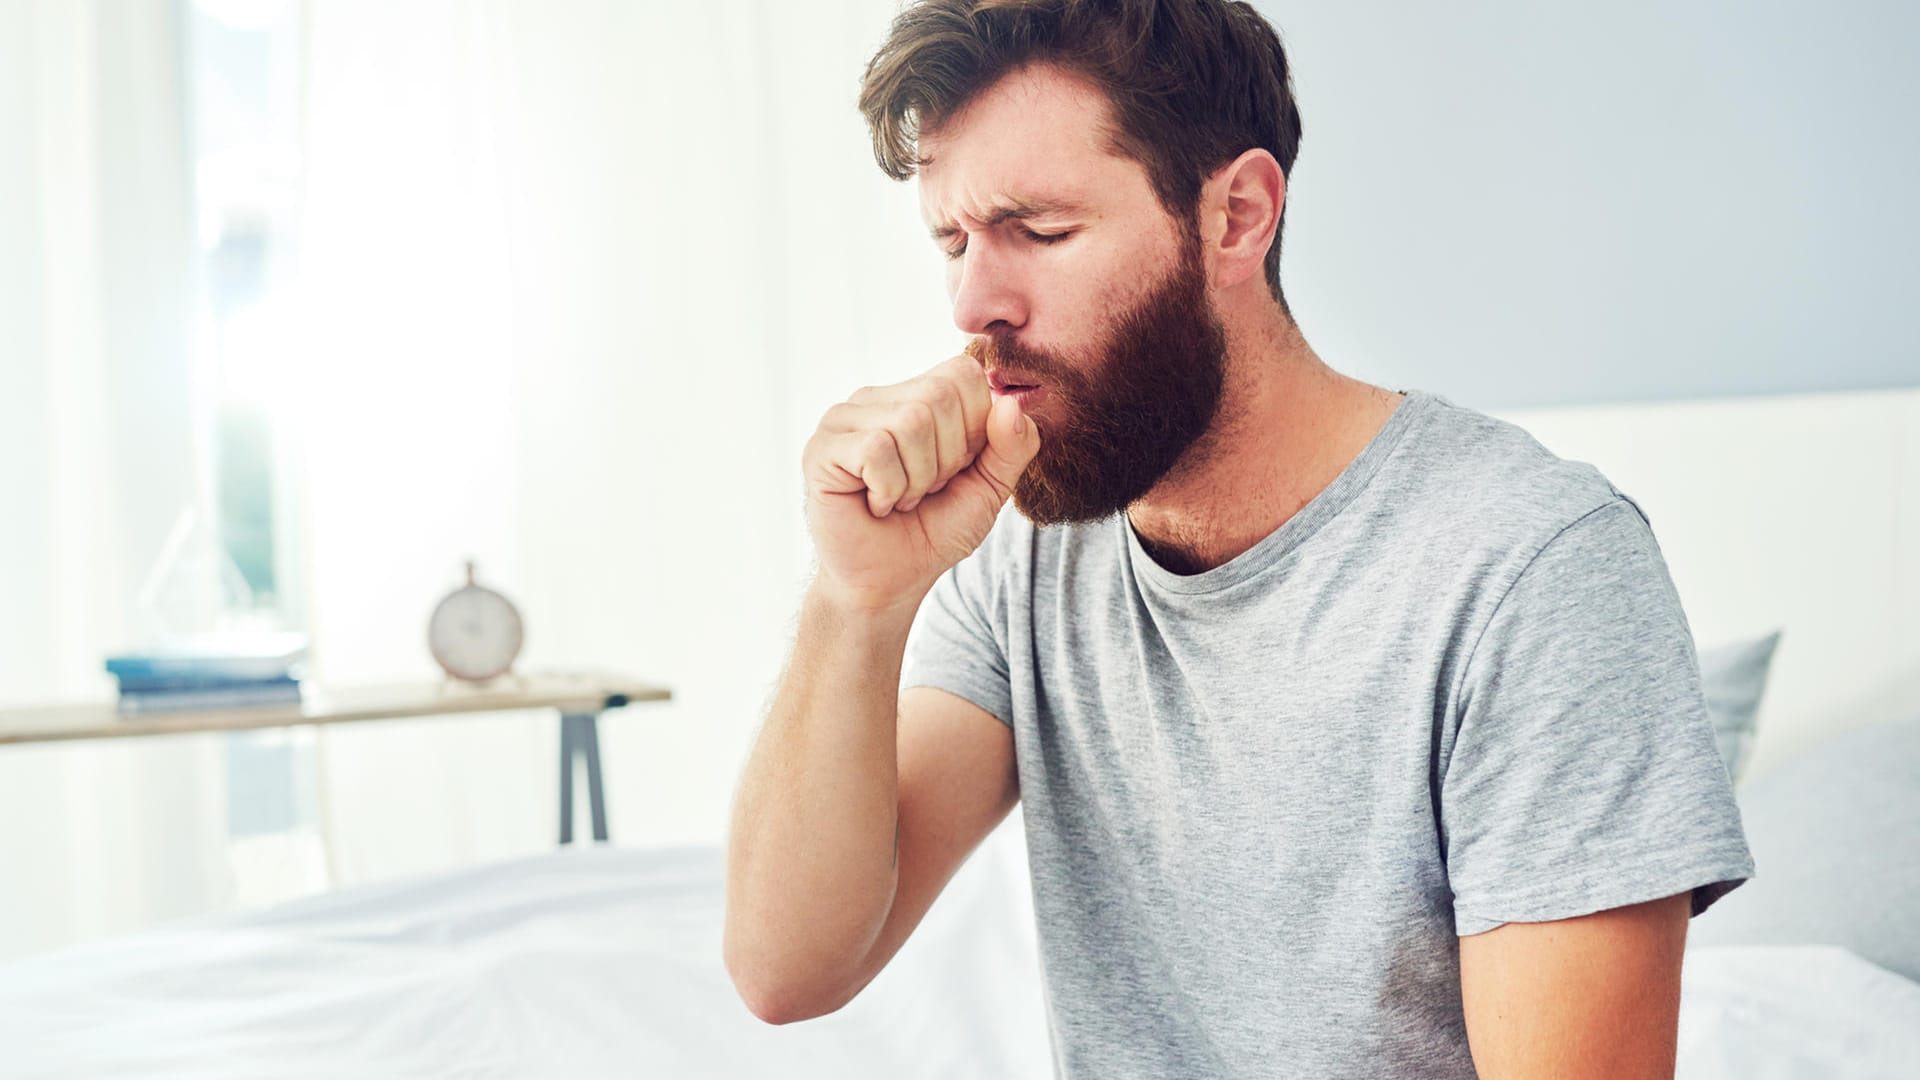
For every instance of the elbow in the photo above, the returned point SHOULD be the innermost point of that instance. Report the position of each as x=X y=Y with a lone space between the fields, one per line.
x=777 y=999
x=774 y=1004
x=777 y=1008
x=765 y=1003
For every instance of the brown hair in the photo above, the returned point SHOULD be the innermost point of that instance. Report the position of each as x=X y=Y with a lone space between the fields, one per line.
x=1193 y=84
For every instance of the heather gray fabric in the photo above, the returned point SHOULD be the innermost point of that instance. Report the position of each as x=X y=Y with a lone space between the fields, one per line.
x=1455 y=689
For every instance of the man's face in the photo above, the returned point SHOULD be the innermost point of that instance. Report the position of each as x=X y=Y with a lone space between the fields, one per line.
x=1090 y=302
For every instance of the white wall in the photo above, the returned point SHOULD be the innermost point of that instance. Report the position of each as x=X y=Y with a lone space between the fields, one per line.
x=1533 y=204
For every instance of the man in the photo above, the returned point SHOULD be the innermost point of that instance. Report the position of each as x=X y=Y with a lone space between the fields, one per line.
x=1355 y=733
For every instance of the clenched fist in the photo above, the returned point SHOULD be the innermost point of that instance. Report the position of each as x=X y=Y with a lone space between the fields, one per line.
x=904 y=481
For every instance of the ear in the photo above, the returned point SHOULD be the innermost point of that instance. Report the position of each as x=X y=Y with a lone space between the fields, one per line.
x=1242 y=202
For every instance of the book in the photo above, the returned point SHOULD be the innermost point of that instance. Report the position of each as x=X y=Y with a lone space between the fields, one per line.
x=146 y=684
x=144 y=702
x=232 y=657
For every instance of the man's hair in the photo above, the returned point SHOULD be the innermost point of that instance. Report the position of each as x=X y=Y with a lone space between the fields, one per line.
x=1192 y=84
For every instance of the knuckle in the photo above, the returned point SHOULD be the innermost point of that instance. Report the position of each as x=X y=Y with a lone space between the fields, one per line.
x=973 y=393
x=818 y=448
x=949 y=397
x=961 y=362
x=970 y=376
x=916 y=421
x=877 y=445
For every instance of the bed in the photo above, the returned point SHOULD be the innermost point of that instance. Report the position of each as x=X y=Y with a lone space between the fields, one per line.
x=606 y=962
x=588 y=963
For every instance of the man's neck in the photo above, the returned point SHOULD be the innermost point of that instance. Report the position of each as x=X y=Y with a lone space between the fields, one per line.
x=1288 y=425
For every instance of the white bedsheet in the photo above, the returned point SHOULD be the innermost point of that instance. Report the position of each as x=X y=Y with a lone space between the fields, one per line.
x=1795 y=1012
x=603 y=962
x=590 y=963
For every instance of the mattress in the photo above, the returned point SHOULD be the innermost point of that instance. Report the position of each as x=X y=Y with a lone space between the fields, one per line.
x=578 y=963
x=606 y=962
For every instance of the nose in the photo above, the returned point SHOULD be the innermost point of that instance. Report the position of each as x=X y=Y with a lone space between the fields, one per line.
x=985 y=291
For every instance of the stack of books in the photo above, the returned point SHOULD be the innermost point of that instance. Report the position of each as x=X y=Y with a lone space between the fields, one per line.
x=212 y=672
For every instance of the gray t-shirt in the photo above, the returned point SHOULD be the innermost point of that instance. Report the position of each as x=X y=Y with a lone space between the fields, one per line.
x=1455 y=689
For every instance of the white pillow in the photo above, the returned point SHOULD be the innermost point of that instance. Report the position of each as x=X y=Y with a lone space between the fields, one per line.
x=1835 y=834
x=1734 y=675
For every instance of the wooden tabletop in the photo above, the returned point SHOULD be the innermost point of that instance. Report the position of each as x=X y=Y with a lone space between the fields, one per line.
x=572 y=692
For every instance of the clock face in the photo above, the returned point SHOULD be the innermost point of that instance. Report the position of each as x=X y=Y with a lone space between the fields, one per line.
x=474 y=634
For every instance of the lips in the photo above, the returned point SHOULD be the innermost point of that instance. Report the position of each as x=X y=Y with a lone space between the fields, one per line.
x=1027 y=396
x=1008 y=381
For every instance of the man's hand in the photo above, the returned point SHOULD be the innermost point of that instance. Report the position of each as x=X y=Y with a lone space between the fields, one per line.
x=904 y=481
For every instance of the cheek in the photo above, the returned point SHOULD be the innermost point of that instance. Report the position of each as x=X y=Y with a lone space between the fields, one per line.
x=1116 y=279
x=1088 y=313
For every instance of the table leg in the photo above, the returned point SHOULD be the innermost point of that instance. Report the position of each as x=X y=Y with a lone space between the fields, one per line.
x=589 y=738
x=580 y=737
x=566 y=777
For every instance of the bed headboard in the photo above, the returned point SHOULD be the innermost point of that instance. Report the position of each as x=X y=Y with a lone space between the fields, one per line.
x=1799 y=512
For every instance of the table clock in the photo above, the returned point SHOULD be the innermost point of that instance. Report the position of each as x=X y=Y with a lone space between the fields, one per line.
x=475 y=633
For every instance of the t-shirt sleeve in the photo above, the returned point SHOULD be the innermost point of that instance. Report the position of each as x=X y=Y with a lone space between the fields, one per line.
x=1583 y=774
x=957 y=642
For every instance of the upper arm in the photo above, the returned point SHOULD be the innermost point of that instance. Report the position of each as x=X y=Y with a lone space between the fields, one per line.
x=1593 y=996
x=957 y=780
x=1579 y=772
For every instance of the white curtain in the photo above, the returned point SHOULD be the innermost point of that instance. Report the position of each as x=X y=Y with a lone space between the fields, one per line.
x=578 y=280
x=97 y=457
x=574 y=283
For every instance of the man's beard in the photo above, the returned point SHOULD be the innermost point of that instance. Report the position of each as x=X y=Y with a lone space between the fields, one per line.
x=1127 y=413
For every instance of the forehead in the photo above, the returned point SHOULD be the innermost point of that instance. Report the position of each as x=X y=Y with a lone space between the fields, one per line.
x=1037 y=137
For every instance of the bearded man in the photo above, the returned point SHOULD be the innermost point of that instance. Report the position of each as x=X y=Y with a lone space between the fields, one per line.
x=1356 y=734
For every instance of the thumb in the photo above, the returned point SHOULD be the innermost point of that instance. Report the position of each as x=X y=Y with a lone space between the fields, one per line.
x=1012 y=441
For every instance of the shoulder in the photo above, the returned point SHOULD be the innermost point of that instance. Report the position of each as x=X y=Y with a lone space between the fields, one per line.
x=1489 y=489
x=1486 y=521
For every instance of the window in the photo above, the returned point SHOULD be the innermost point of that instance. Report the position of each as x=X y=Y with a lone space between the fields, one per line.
x=244 y=107
x=244 y=91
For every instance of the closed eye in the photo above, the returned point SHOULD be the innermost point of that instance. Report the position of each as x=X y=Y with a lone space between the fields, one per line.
x=1033 y=236
x=1046 y=238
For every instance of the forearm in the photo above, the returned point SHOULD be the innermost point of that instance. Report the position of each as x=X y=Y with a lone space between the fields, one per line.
x=811 y=852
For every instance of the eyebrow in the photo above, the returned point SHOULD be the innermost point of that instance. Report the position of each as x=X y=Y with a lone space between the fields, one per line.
x=1013 y=210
